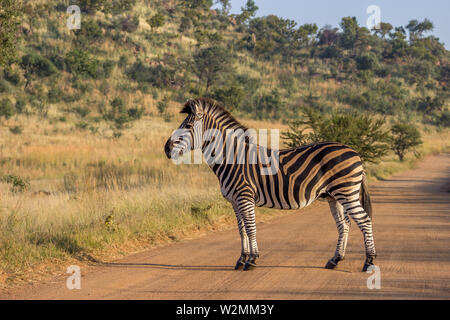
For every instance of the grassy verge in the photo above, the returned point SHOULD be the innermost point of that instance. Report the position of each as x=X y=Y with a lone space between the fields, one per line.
x=435 y=141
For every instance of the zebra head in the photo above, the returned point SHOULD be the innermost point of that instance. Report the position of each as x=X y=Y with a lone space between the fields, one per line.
x=189 y=135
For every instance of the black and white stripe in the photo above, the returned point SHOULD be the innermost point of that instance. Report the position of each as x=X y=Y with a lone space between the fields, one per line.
x=326 y=170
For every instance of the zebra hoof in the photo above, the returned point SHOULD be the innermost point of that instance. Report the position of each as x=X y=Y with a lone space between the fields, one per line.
x=368 y=263
x=331 y=264
x=240 y=263
x=250 y=265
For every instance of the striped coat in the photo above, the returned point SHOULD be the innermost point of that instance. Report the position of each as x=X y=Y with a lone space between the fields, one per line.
x=326 y=170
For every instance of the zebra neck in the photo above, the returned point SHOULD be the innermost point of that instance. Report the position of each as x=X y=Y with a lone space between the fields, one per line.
x=233 y=147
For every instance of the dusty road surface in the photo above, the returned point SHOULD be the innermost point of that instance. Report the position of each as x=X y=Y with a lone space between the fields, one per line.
x=412 y=235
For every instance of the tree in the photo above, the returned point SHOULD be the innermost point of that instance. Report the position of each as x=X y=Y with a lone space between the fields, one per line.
x=9 y=22
x=35 y=65
x=158 y=20
x=328 y=35
x=226 y=6
x=349 y=36
x=367 y=136
x=398 y=42
x=210 y=62
x=197 y=4
x=417 y=29
x=384 y=29
x=405 y=137
x=248 y=11
x=230 y=96
x=307 y=33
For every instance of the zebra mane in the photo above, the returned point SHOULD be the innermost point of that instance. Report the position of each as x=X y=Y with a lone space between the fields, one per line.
x=214 y=109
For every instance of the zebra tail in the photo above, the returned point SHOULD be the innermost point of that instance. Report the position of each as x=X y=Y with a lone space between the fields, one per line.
x=365 y=197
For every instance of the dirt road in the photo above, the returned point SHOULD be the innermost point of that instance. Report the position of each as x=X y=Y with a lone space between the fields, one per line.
x=412 y=235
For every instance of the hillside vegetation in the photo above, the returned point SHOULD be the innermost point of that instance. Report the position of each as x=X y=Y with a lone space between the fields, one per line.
x=84 y=114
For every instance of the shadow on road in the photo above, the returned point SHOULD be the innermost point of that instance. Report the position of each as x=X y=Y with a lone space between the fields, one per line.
x=200 y=267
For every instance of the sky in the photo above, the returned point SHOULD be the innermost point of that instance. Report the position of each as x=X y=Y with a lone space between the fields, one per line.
x=322 y=12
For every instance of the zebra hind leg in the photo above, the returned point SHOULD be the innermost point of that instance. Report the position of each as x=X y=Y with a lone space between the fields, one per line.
x=353 y=208
x=343 y=227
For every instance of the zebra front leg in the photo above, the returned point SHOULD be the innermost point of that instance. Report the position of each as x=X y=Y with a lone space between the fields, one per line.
x=343 y=227
x=245 y=248
x=246 y=208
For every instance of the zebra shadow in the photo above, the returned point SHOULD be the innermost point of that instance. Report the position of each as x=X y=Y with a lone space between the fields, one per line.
x=203 y=267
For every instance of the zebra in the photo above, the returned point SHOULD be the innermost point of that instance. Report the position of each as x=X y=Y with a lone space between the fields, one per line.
x=325 y=170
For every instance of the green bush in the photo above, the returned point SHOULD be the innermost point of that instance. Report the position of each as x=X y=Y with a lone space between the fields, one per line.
x=55 y=95
x=90 y=31
x=159 y=76
x=12 y=76
x=367 y=62
x=405 y=137
x=36 y=65
x=156 y=21
x=80 y=63
x=18 y=184
x=4 y=86
x=108 y=67
x=230 y=96
x=364 y=134
x=20 y=106
x=162 y=105
x=7 y=109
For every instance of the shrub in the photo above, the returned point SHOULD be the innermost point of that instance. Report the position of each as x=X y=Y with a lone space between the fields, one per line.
x=7 y=109
x=330 y=53
x=269 y=105
x=405 y=137
x=33 y=64
x=16 y=129
x=12 y=76
x=20 y=106
x=81 y=111
x=367 y=62
x=230 y=96
x=129 y=24
x=360 y=132
x=80 y=63
x=54 y=95
x=135 y=113
x=158 y=76
x=162 y=105
x=90 y=31
x=156 y=21
x=108 y=67
x=18 y=184
x=4 y=86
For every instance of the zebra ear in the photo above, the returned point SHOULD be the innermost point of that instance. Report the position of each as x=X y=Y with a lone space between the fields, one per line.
x=193 y=107
x=187 y=107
